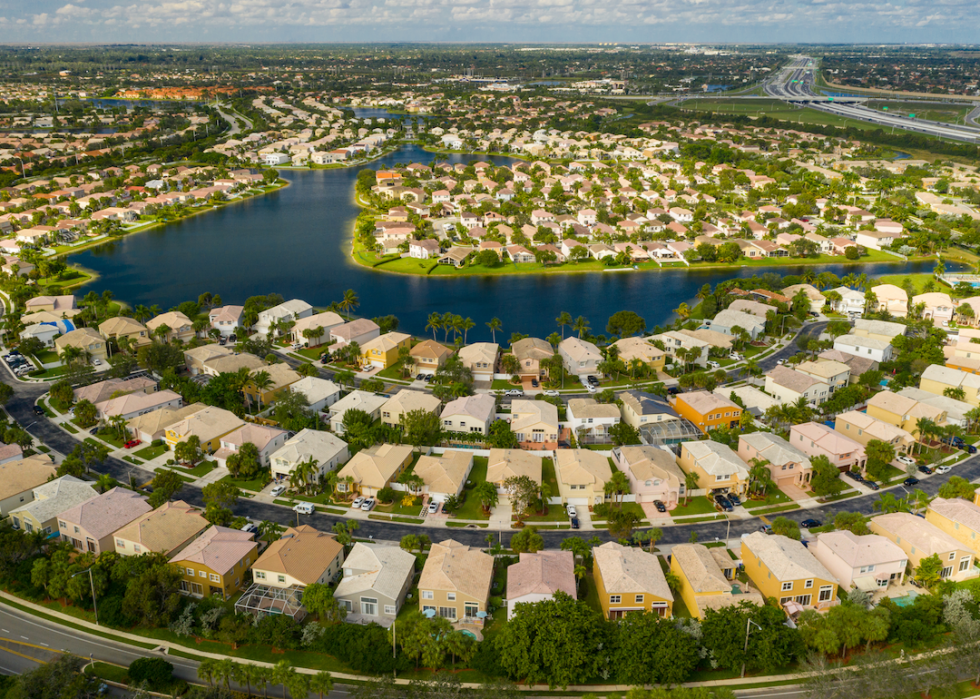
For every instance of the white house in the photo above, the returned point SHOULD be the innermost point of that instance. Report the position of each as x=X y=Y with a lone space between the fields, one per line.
x=320 y=393
x=288 y=311
x=869 y=347
x=327 y=450
x=591 y=419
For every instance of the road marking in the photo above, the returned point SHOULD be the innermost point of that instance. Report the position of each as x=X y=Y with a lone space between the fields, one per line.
x=4 y=630
x=45 y=644
x=25 y=638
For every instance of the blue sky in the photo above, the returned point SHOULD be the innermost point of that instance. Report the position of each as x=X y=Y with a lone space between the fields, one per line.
x=560 y=21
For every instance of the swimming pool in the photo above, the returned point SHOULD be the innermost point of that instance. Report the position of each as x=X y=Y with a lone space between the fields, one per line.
x=469 y=633
x=906 y=600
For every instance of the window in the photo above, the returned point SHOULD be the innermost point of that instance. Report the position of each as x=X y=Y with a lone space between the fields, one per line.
x=952 y=556
x=946 y=572
x=964 y=563
x=120 y=543
x=281 y=578
x=202 y=574
x=137 y=549
x=451 y=596
x=259 y=575
x=190 y=572
x=447 y=612
x=804 y=600
x=62 y=525
x=471 y=609
x=214 y=578
x=427 y=594
x=826 y=593
x=369 y=606
x=639 y=599
x=808 y=585
x=390 y=610
x=615 y=599
x=787 y=586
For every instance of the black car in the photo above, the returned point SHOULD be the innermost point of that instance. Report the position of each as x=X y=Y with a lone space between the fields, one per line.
x=660 y=506
x=970 y=449
x=910 y=481
x=723 y=503
x=324 y=359
x=574 y=522
x=853 y=475
x=766 y=529
x=810 y=523
x=871 y=484
x=38 y=410
x=734 y=499
x=534 y=383
x=94 y=431
x=593 y=380
x=925 y=469
x=673 y=390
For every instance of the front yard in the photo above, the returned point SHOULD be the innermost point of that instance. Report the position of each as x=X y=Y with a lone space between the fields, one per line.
x=471 y=507
x=773 y=496
x=700 y=505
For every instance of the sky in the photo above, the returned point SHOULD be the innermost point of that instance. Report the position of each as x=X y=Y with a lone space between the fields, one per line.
x=558 y=21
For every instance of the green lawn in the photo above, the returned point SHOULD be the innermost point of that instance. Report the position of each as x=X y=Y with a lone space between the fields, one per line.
x=601 y=511
x=202 y=469
x=695 y=506
x=46 y=356
x=151 y=452
x=918 y=280
x=471 y=508
x=69 y=428
x=105 y=671
x=254 y=485
x=774 y=496
x=109 y=436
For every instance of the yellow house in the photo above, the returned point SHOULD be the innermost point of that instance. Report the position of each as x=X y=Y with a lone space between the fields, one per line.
x=582 y=476
x=455 y=582
x=937 y=378
x=85 y=339
x=216 y=562
x=630 y=580
x=783 y=568
x=706 y=577
x=862 y=428
x=719 y=469
x=957 y=517
x=281 y=377
x=903 y=412
x=209 y=424
x=302 y=557
x=631 y=348
x=382 y=351
x=920 y=539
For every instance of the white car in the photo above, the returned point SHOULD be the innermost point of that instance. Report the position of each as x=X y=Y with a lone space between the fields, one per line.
x=97 y=362
x=277 y=491
x=551 y=392
x=736 y=357
x=714 y=365
x=367 y=505
x=590 y=388
x=571 y=511
x=297 y=347
x=946 y=468
x=304 y=508
x=356 y=505
x=516 y=392
x=907 y=460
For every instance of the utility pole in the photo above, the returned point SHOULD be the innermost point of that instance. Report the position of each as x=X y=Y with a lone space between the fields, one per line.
x=95 y=606
x=748 y=628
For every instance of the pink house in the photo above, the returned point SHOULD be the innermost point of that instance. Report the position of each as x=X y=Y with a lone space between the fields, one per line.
x=652 y=472
x=869 y=562
x=815 y=439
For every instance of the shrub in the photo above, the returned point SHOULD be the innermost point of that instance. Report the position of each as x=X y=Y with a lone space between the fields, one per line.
x=156 y=672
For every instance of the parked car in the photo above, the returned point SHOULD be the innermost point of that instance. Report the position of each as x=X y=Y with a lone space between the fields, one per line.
x=358 y=501
x=723 y=503
x=970 y=449
x=534 y=383
x=367 y=505
x=572 y=512
x=591 y=389
x=871 y=484
x=714 y=365
x=297 y=346
x=38 y=410
x=515 y=392
x=925 y=469
x=810 y=523
x=97 y=362
x=910 y=481
x=660 y=506
x=945 y=468
x=132 y=443
x=907 y=460
x=94 y=431
x=853 y=475
x=433 y=507
x=250 y=527
x=551 y=392
x=304 y=508
x=574 y=522
x=765 y=529
x=278 y=490
x=734 y=499
x=324 y=359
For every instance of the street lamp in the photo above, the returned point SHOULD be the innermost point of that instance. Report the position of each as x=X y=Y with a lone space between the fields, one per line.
x=748 y=628
x=92 y=584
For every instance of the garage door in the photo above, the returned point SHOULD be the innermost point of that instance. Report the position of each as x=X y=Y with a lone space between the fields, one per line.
x=583 y=502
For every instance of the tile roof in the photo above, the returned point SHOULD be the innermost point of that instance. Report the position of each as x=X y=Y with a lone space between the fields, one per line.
x=104 y=514
x=507 y=463
x=375 y=466
x=164 y=529
x=626 y=570
x=303 y=553
x=700 y=568
x=54 y=497
x=856 y=551
x=218 y=548
x=542 y=573
x=958 y=510
x=384 y=569
x=25 y=474
x=786 y=559
x=582 y=467
x=925 y=536
x=445 y=473
x=452 y=566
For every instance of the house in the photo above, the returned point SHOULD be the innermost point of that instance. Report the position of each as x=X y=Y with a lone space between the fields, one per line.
x=209 y=424
x=196 y=358
x=469 y=414
x=455 y=582
x=429 y=355
x=833 y=373
x=481 y=359
x=538 y=576
x=703 y=583
x=788 y=386
x=707 y=410
x=19 y=478
x=314 y=330
x=816 y=299
x=86 y=340
x=43 y=332
x=582 y=475
x=443 y=476
x=216 y=562
x=783 y=568
x=512 y=463
x=123 y=330
x=903 y=412
x=640 y=408
x=360 y=331
x=279 y=377
x=938 y=306
x=788 y=465
x=48 y=501
x=630 y=580
x=135 y=404
x=816 y=439
x=326 y=450
x=406 y=401
x=636 y=348
x=920 y=538
x=52 y=304
x=535 y=423
x=271 y=321
x=375 y=581
x=226 y=319
x=892 y=299
x=877 y=329
x=424 y=249
x=862 y=428
x=374 y=468
x=955 y=410
x=675 y=340
x=320 y=393
x=727 y=320
x=851 y=302
x=231 y=364
x=171 y=326
x=90 y=525
x=590 y=420
x=936 y=379
x=877 y=350
x=530 y=353
x=869 y=562
x=857 y=365
x=957 y=517
x=653 y=473
x=370 y=403
x=581 y=358
x=383 y=351
x=718 y=468
x=167 y=530
x=876 y=240
x=267 y=440
x=151 y=426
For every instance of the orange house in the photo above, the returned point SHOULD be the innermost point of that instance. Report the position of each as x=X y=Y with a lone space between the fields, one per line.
x=707 y=410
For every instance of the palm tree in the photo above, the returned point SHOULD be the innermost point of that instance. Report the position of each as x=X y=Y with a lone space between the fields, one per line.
x=245 y=674
x=684 y=311
x=282 y=673
x=581 y=326
x=259 y=382
x=321 y=683
x=690 y=483
x=207 y=669
x=494 y=326
x=465 y=325
x=350 y=301
x=224 y=672
x=564 y=319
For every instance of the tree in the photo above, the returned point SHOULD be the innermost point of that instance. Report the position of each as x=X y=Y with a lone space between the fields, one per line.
x=153 y=592
x=61 y=678
x=623 y=434
x=219 y=499
x=554 y=641
x=825 y=478
x=166 y=484
x=188 y=451
x=652 y=650
x=625 y=323
x=501 y=436
x=487 y=494
x=321 y=683
x=929 y=570
x=618 y=484
x=283 y=674
x=563 y=320
x=86 y=414
x=957 y=487
x=622 y=522
x=245 y=462
x=880 y=454
x=63 y=392
x=421 y=428
x=527 y=541
x=319 y=601
x=270 y=531
x=157 y=673
x=786 y=527
x=690 y=483
x=523 y=494
x=853 y=522
x=771 y=644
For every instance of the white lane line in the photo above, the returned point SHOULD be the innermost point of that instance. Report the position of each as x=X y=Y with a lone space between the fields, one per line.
x=4 y=630
x=45 y=644
x=24 y=637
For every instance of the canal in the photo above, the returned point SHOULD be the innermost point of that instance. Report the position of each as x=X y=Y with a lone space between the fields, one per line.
x=296 y=242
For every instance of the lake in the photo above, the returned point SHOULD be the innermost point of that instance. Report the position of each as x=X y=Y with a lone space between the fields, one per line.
x=296 y=242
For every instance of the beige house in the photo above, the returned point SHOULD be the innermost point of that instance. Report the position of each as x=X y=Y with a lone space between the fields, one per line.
x=49 y=500
x=302 y=556
x=167 y=530
x=704 y=583
x=903 y=412
x=581 y=475
x=444 y=475
x=789 y=386
x=920 y=538
x=862 y=428
x=154 y=425
x=281 y=377
x=581 y=358
x=834 y=374
x=179 y=326
x=509 y=463
x=374 y=468
x=529 y=353
x=85 y=339
x=89 y=526
x=19 y=478
x=469 y=414
x=719 y=469
x=375 y=582
x=326 y=449
x=369 y=403
x=196 y=359
x=892 y=299
x=535 y=423
x=325 y=322
x=429 y=355
x=538 y=576
x=122 y=327
x=455 y=582
x=209 y=425
x=405 y=401
x=636 y=348
x=481 y=359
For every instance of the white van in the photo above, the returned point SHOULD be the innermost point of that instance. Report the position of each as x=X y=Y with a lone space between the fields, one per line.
x=304 y=508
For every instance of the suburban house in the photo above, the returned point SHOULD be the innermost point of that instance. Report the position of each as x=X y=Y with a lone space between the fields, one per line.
x=320 y=393
x=529 y=353
x=636 y=348
x=787 y=464
x=135 y=404
x=370 y=403
x=726 y=321
x=167 y=530
x=196 y=358
x=49 y=500
x=590 y=420
x=314 y=330
x=903 y=412
x=877 y=329
x=957 y=517
x=652 y=472
x=581 y=358
x=481 y=359
x=816 y=439
x=404 y=402
x=511 y=463
x=374 y=468
x=789 y=386
x=173 y=325
x=707 y=410
x=862 y=428
x=704 y=584
x=19 y=478
x=267 y=440
x=216 y=562
x=271 y=320
x=122 y=327
x=870 y=347
x=535 y=423
x=52 y=304
x=375 y=582
x=226 y=319
x=937 y=378
x=90 y=525
x=718 y=468
x=151 y=426
x=641 y=408
x=851 y=301
x=429 y=355
x=869 y=562
x=382 y=351
x=280 y=377
x=360 y=331
x=209 y=424
x=955 y=410
x=783 y=568
x=327 y=450
x=630 y=580
x=581 y=474
x=834 y=374
x=444 y=475
x=538 y=576
x=87 y=340
x=857 y=365
x=921 y=539
x=455 y=582
x=469 y=414
x=892 y=299
x=938 y=306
